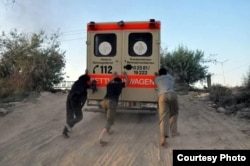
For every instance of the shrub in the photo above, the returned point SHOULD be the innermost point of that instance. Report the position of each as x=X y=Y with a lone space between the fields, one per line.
x=221 y=95
x=246 y=80
x=29 y=63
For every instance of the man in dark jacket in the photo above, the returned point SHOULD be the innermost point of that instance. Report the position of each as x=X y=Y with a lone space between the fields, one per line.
x=75 y=101
x=110 y=102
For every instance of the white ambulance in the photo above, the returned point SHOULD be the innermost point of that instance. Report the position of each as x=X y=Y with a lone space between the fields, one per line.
x=133 y=47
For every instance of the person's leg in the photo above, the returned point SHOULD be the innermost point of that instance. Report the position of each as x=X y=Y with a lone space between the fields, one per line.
x=111 y=110
x=84 y=99
x=163 y=118
x=101 y=136
x=69 y=117
x=69 y=112
x=174 y=107
x=104 y=105
x=111 y=115
x=173 y=125
x=77 y=108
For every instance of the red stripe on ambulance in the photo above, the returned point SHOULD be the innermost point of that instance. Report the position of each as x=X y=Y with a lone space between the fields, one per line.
x=136 y=81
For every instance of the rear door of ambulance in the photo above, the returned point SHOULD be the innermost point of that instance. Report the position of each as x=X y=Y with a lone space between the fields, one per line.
x=133 y=47
x=104 y=55
x=141 y=58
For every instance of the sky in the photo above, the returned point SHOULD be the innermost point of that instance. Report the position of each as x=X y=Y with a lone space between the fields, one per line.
x=219 y=28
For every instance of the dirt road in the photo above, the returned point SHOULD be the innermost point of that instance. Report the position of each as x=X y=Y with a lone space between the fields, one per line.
x=31 y=135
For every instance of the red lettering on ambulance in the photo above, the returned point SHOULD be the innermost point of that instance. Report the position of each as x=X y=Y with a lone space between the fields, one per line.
x=102 y=81
x=136 y=81
x=142 y=81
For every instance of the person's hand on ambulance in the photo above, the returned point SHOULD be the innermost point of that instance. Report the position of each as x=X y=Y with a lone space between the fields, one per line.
x=124 y=74
x=126 y=79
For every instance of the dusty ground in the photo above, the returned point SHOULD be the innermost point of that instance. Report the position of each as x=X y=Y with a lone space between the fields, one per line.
x=31 y=135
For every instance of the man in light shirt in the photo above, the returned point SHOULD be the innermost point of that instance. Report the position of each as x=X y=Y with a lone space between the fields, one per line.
x=168 y=105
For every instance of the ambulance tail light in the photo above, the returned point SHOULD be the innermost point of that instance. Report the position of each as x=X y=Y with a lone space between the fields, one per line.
x=152 y=23
x=91 y=25
x=121 y=23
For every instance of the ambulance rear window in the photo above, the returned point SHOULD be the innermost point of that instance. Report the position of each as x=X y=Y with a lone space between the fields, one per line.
x=140 y=44
x=105 y=45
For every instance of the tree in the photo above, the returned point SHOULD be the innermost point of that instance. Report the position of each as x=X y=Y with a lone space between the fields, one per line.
x=30 y=62
x=246 y=80
x=187 y=65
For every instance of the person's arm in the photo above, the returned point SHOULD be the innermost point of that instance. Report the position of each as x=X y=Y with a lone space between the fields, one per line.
x=86 y=71
x=125 y=76
x=114 y=75
x=88 y=81
x=156 y=75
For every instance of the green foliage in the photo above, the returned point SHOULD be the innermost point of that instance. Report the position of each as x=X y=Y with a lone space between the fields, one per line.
x=243 y=95
x=187 y=65
x=220 y=95
x=246 y=80
x=29 y=62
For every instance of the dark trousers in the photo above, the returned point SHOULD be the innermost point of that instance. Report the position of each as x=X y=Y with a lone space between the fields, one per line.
x=74 y=111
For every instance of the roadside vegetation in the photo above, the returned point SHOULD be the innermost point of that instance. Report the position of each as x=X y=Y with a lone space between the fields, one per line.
x=232 y=101
x=29 y=64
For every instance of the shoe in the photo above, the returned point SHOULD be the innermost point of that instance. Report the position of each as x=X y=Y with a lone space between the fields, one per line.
x=102 y=143
x=65 y=132
x=68 y=127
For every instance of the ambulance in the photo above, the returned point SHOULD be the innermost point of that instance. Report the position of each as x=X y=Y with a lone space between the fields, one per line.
x=131 y=46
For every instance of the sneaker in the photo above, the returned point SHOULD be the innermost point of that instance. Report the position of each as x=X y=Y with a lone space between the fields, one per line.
x=68 y=127
x=65 y=132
